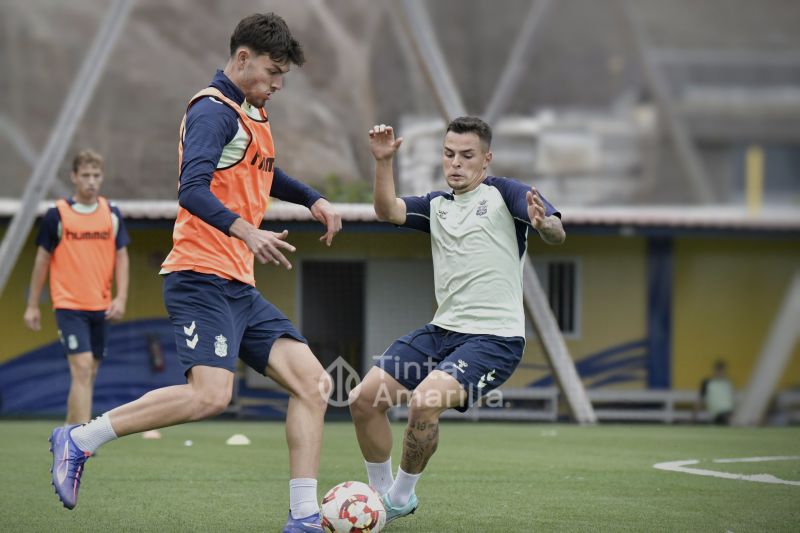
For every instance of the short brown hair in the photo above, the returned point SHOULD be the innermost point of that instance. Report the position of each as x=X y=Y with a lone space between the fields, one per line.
x=268 y=33
x=473 y=125
x=86 y=157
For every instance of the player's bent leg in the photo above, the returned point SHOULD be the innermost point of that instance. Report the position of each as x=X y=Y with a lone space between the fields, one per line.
x=369 y=402
x=207 y=394
x=292 y=365
x=79 y=401
x=437 y=393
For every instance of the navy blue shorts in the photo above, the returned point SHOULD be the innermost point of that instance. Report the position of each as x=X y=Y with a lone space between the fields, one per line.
x=216 y=320
x=82 y=331
x=481 y=363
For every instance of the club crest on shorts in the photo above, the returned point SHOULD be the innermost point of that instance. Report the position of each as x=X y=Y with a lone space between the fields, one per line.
x=220 y=346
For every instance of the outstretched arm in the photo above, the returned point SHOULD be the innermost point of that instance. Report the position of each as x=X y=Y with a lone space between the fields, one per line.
x=550 y=228
x=324 y=212
x=267 y=246
x=383 y=146
x=288 y=189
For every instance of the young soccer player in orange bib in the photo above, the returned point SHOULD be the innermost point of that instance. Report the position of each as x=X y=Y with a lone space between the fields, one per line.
x=83 y=243
x=227 y=174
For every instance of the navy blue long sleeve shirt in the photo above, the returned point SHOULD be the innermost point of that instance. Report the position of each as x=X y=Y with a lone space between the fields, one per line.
x=210 y=126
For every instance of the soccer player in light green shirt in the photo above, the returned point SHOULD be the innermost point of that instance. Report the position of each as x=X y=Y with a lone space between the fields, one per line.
x=475 y=341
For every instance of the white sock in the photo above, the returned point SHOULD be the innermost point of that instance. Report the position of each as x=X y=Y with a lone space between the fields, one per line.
x=93 y=434
x=380 y=475
x=303 y=497
x=403 y=487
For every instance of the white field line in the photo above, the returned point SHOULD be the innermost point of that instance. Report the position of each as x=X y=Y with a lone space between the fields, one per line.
x=681 y=466
x=759 y=459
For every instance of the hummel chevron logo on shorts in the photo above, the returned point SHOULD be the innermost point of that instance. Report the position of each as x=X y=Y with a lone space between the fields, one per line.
x=191 y=342
x=189 y=331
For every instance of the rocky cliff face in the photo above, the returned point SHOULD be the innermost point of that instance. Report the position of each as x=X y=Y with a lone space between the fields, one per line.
x=359 y=72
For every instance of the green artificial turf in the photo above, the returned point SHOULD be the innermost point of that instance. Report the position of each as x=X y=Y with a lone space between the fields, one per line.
x=485 y=477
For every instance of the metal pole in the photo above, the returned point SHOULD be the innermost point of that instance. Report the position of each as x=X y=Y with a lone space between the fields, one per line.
x=775 y=355
x=17 y=139
x=515 y=67
x=417 y=24
x=693 y=165
x=450 y=105
x=71 y=112
x=555 y=347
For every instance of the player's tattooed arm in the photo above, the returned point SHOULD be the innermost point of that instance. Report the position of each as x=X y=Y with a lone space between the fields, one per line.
x=549 y=227
x=551 y=231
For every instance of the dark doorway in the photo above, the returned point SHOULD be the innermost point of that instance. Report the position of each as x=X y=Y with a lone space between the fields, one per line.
x=333 y=319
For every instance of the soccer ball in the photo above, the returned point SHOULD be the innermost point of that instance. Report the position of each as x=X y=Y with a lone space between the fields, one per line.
x=352 y=507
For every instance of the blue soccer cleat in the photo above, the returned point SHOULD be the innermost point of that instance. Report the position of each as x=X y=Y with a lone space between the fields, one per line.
x=393 y=513
x=310 y=524
x=68 y=461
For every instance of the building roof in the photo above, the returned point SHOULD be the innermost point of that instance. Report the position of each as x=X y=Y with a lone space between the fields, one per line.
x=675 y=217
x=686 y=217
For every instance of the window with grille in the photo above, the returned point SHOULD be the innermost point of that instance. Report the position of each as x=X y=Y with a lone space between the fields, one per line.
x=560 y=281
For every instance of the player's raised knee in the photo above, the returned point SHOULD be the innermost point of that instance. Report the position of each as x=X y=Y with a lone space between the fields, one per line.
x=426 y=404
x=211 y=402
x=359 y=402
x=313 y=388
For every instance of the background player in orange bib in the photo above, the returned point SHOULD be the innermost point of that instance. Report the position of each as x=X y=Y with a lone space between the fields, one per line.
x=83 y=242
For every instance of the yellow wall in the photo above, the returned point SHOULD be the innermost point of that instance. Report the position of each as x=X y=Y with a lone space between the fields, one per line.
x=727 y=294
x=727 y=291
x=279 y=285
x=18 y=338
x=612 y=297
x=147 y=250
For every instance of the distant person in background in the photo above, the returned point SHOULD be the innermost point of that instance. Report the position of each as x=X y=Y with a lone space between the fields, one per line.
x=83 y=243
x=227 y=175
x=716 y=395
